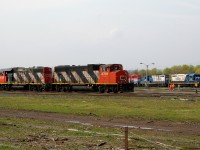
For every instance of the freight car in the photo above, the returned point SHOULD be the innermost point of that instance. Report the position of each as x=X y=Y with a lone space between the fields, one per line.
x=98 y=77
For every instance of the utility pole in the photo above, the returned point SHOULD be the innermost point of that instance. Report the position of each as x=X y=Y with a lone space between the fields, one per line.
x=147 y=66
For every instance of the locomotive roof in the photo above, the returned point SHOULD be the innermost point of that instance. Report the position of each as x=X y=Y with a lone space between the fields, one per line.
x=36 y=67
x=11 y=69
x=62 y=66
x=107 y=65
x=77 y=65
x=192 y=74
x=6 y=69
x=73 y=67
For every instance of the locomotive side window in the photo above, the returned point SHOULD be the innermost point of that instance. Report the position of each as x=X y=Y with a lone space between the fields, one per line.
x=104 y=69
x=191 y=78
x=122 y=78
x=115 y=68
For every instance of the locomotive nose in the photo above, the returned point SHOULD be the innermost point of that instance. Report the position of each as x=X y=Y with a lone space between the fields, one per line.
x=123 y=76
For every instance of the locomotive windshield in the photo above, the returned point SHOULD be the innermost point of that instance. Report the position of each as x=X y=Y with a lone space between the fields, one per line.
x=115 y=68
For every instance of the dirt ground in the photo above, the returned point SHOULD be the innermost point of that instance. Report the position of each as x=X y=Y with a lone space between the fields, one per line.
x=165 y=126
x=44 y=141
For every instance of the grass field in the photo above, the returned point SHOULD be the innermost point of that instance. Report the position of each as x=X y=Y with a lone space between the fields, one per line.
x=29 y=134
x=21 y=133
x=164 y=108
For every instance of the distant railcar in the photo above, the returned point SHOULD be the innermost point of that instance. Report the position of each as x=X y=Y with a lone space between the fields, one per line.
x=178 y=77
x=135 y=79
x=160 y=80
x=193 y=77
x=185 y=80
x=145 y=80
x=155 y=80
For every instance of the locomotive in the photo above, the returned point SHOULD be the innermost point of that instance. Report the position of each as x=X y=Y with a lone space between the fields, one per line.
x=98 y=77
x=181 y=80
x=35 y=78
x=155 y=80
x=185 y=80
x=135 y=79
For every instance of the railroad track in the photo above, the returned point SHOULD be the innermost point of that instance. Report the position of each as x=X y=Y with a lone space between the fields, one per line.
x=137 y=93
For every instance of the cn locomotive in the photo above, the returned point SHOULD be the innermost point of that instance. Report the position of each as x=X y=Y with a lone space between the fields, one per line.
x=98 y=77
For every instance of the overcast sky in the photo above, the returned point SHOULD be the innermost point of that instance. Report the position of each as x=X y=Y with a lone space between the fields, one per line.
x=80 y=32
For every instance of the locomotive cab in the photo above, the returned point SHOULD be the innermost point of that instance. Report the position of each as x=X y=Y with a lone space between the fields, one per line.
x=3 y=77
x=112 y=74
x=113 y=78
x=6 y=75
x=6 y=78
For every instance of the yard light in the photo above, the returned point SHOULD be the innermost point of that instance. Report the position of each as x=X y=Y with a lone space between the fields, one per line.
x=147 y=66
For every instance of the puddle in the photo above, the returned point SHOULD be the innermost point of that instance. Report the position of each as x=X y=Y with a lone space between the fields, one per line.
x=82 y=123
x=143 y=128
x=122 y=126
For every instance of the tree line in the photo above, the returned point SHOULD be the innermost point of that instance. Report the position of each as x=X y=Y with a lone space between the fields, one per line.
x=180 y=69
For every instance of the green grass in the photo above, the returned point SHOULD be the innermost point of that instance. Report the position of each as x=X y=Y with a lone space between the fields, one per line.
x=30 y=134
x=15 y=134
x=33 y=134
x=7 y=147
x=107 y=106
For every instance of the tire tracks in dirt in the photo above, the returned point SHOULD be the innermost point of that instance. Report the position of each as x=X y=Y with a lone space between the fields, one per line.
x=161 y=126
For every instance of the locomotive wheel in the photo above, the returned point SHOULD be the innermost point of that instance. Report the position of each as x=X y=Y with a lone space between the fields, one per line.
x=101 y=89
x=34 y=88
x=95 y=88
x=108 y=90
x=69 y=88
x=47 y=88
x=31 y=88
x=40 y=89
x=64 y=89
x=8 y=88
x=115 y=90
x=58 y=89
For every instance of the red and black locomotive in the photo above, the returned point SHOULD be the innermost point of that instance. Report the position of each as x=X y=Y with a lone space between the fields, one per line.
x=39 y=78
x=98 y=77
